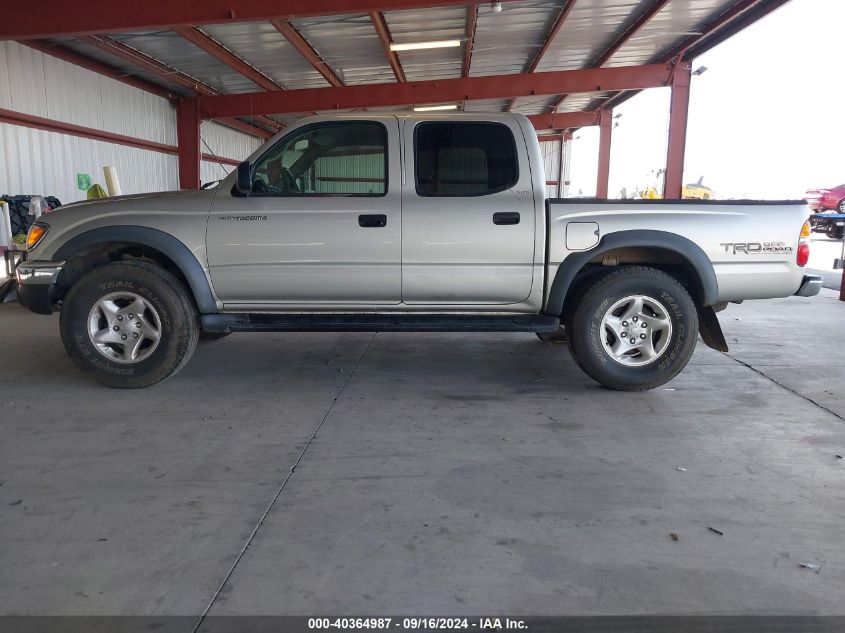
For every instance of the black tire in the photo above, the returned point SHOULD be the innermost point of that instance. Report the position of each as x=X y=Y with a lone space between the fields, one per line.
x=835 y=232
x=585 y=331
x=179 y=327
x=213 y=336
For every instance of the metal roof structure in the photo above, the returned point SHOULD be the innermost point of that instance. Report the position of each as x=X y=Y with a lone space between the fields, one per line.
x=256 y=65
x=207 y=49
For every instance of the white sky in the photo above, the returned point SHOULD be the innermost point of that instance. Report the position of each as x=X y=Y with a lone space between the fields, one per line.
x=766 y=119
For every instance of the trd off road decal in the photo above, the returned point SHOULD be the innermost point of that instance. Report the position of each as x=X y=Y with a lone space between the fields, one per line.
x=756 y=248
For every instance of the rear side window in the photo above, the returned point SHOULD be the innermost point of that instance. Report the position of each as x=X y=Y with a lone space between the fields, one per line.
x=464 y=158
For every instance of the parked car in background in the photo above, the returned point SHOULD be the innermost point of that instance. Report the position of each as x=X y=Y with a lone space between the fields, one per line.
x=832 y=199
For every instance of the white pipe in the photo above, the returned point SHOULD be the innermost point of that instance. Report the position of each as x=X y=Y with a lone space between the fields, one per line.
x=112 y=183
x=5 y=225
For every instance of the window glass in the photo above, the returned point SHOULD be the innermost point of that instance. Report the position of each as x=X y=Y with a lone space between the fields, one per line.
x=464 y=158
x=326 y=159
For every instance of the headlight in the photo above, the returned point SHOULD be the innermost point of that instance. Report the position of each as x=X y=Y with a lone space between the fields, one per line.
x=36 y=234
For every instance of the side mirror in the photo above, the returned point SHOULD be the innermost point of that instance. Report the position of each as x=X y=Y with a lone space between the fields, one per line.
x=243 y=183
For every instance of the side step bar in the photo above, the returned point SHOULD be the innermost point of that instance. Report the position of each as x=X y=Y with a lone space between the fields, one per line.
x=377 y=323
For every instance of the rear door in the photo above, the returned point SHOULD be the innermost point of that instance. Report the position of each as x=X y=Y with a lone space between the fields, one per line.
x=322 y=224
x=468 y=213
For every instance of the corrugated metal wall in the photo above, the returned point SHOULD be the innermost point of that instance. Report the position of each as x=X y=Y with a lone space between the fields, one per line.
x=35 y=161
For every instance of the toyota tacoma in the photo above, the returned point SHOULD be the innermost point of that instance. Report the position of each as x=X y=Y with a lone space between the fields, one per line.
x=405 y=222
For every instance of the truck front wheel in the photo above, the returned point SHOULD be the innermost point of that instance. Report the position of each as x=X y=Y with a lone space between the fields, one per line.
x=633 y=329
x=129 y=324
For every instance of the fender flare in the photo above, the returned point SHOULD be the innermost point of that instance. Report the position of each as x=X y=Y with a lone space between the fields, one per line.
x=166 y=244
x=640 y=238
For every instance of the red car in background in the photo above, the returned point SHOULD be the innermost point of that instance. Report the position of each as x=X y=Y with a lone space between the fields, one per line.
x=832 y=199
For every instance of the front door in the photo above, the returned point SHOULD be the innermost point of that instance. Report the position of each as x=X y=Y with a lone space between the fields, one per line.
x=322 y=224
x=468 y=213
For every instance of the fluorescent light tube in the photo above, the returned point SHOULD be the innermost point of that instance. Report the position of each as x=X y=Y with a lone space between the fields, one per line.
x=415 y=46
x=451 y=106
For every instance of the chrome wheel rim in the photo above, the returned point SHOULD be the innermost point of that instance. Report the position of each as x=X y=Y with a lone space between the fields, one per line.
x=124 y=327
x=636 y=330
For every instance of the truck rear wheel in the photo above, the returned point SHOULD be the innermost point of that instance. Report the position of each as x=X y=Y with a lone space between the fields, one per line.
x=129 y=324
x=633 y=329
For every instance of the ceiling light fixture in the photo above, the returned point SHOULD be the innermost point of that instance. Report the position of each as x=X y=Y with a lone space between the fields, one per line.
x=416 y=46
x=496 y=5
x=449 y=106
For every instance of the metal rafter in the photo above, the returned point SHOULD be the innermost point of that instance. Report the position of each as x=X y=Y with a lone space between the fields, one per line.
x=564 y=120
x=624 y=37
x=644 y=18
x=152 y=65
x=436 y=91
x=51 y=18
x=380 y=25
x=469 y=32
x=307 y=51
x=713 y=32
x=553 y=31
x=68 y=55
x=222 y=54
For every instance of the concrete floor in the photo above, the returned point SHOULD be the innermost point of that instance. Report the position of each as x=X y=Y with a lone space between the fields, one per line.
x=434 y=473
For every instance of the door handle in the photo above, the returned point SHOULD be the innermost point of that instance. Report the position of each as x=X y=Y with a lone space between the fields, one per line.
x=372 y=221
x=506 y=217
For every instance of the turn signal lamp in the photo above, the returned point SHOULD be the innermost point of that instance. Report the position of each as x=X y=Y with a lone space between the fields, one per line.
x=805 y=230
x=35 y=235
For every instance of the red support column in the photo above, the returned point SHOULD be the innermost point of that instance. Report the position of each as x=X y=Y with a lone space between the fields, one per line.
x=188 y=138
x=605 y=137
x=673 y=182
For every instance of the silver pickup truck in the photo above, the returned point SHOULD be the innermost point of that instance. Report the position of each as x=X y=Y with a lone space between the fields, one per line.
x=401 y=222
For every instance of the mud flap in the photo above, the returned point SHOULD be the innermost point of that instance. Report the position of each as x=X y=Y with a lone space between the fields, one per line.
x=710 y=330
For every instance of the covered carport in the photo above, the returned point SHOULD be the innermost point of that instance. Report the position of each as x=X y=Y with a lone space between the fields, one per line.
x=258 y=65
x=374 y=474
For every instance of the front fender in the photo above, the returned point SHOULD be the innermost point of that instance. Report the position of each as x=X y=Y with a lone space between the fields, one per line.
x=166 y=244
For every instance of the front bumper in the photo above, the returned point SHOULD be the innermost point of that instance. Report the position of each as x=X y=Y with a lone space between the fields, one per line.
x=36 y=284
x=811 y=285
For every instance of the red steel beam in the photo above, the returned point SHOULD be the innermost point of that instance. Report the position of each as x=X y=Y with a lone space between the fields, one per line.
x=246 y=128
x=644 y=18
x=724 y=19
x=51 y=18
x=673 y=182
x=152 y=65
x=623 y=38
x=558 y=23
x=548 y=138
x=717 y=30
x=469 y=33
x=61 y=127
x=98 y=67
x=307 y=51
x=188 y=136
x=564 y=120
x=222 y=54
x=605 y=138
x=383 y=32
x=51 y=125
x=441 y=90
